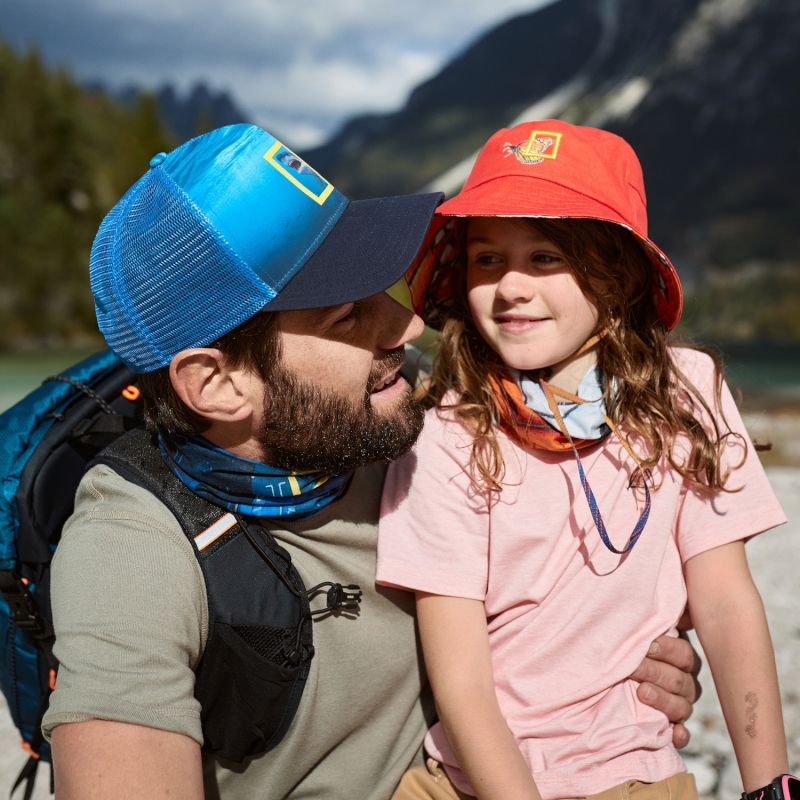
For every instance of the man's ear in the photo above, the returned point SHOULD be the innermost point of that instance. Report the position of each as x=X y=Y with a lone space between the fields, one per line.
x=210 y=388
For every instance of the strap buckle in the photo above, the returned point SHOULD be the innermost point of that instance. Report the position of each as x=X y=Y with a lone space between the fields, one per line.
x=24 y=611
x=338 y=597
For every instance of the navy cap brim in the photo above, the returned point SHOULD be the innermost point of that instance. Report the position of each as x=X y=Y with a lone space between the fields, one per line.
x=371 y=247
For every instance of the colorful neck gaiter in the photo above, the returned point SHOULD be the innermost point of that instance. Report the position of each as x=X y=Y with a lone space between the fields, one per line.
x=248 y=487
x=524 y=424
x=534 y=430
x=582 y=420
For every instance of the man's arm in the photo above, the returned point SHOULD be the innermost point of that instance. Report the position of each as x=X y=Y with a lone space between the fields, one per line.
x=668 y=677
x=97 y=760
x=129 y=613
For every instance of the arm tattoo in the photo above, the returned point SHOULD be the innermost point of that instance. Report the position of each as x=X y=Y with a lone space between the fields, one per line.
x=751 y=698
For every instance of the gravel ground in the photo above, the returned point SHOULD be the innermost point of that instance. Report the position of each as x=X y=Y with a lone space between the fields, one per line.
x=775 y=561
x=780 y=431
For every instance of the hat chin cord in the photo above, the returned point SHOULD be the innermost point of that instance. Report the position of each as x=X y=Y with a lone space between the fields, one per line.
x=585 y=347
x=551 y=392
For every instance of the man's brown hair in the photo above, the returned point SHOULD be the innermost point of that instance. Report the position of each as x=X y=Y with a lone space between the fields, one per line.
x=254 y=345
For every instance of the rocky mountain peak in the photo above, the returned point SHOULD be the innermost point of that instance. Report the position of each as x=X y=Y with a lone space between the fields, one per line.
x=706 y=91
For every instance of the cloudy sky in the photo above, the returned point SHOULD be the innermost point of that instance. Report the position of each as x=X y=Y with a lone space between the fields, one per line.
x=299 y=67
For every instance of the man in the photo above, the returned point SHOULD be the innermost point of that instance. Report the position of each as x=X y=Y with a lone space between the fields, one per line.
x=250 y=295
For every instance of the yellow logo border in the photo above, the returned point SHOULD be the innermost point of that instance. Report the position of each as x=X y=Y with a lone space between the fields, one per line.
x=528 y=152
x=269 y=156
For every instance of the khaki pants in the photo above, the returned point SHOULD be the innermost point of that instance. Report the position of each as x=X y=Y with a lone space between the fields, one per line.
x=428 y=783
x=431 y=783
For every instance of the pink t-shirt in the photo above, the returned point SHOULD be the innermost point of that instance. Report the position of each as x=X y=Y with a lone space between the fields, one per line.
x=568 y=620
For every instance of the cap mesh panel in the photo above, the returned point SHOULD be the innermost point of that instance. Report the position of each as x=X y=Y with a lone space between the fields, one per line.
x=165 y=280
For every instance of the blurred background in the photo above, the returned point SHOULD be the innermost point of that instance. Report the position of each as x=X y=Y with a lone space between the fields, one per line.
x=389 y=98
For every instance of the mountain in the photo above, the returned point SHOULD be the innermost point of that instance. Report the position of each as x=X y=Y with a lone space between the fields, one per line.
x=716 y=133
x=553 y=57
x=706 y=91
x=200 y=110
x=67 y=154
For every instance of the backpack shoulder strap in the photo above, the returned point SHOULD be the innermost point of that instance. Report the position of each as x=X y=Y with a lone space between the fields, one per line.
x=259 y=647
x=136 y=457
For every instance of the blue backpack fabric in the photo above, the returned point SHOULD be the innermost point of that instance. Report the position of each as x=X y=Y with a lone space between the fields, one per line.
x=46 y=440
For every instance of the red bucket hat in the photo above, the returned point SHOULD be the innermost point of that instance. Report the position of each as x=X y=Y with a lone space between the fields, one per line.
x=550 y=169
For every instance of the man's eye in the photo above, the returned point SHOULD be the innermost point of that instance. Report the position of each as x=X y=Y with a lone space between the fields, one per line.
x=350 y=315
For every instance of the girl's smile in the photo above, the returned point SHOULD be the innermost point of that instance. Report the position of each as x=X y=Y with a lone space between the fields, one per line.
x=514 y=323
x=524 y=300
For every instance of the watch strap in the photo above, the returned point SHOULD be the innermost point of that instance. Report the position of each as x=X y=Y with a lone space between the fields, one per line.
x=772 y=791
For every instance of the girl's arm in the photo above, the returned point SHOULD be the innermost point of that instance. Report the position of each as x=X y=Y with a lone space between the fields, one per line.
x=455 y=642
x=730 y=622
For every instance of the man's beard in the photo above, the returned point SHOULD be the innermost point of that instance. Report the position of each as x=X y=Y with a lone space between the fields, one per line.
x=307 y=429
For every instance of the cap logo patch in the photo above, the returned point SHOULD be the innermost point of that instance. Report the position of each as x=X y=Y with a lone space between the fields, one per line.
x=540 y=145
x=298 y=173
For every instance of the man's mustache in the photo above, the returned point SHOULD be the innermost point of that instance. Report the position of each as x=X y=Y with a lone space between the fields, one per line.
x=388 y=363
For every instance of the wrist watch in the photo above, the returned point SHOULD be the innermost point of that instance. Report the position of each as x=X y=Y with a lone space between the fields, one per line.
x=784 y=787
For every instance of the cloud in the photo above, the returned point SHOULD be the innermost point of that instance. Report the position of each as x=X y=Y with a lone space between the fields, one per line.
x=317 y=91
x=302 y=71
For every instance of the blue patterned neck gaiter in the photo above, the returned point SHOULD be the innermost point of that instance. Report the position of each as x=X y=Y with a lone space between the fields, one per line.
x=248 y=487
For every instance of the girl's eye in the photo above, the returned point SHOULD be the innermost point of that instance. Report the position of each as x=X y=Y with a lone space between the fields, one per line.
x=487 y=260
x=547 y=260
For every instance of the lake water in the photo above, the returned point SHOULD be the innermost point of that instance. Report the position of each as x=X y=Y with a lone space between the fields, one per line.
x=763 y=367
x=759 y=369
x=21 y=373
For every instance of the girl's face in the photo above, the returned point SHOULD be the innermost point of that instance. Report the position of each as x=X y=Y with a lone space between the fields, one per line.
x=522 y=295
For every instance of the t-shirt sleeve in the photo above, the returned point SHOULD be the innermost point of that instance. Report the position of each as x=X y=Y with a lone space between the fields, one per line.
x=129 y=611
x=434 y=525
x=709 y=520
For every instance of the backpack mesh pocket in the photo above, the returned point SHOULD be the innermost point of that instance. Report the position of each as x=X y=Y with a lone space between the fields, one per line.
x=270 y=643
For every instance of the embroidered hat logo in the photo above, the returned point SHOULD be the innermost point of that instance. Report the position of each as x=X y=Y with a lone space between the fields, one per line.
x=295 y=170
x=539 y=146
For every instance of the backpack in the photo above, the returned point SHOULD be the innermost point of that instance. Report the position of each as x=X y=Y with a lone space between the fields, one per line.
x=259 y=646
x=45 y=442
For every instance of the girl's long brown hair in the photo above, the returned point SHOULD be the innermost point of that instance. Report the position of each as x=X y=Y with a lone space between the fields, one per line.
x=646 y=393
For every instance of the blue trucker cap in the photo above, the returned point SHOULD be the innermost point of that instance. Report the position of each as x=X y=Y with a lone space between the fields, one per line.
x=232 y=223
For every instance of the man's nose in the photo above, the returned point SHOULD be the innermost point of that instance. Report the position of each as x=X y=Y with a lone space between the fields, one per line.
x=397 y=324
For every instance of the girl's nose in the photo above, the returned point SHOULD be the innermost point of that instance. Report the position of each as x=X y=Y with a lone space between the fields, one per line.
x=515 y=287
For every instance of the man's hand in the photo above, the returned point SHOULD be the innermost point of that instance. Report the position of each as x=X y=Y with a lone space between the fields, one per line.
x=669 y=682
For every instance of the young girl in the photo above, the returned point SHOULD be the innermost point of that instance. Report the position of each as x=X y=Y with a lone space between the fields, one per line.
x=580 y=477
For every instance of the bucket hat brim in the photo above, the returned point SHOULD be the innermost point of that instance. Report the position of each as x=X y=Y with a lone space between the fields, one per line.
x=542 y=199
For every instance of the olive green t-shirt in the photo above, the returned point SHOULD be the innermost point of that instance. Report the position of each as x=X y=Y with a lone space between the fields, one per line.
x=131 y=620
